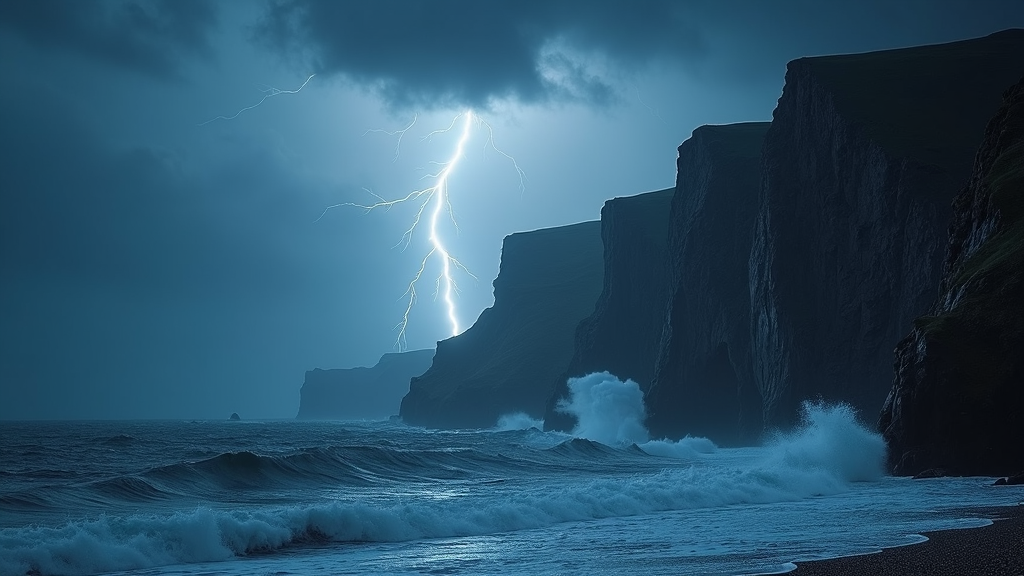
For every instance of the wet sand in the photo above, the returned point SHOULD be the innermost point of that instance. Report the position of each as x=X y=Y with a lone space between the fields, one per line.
x=994 y=550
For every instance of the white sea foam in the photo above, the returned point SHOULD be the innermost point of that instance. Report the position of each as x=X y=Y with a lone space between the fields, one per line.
x=686 y=448
x=829 y=440
x=791 y=469
x=518 y=421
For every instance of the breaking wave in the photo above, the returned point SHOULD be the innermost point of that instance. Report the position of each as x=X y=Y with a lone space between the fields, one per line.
x=611 y=411
x=503 y=482
x=518 y=421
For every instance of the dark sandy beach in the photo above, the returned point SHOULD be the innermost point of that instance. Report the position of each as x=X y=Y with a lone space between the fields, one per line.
x=994 y=550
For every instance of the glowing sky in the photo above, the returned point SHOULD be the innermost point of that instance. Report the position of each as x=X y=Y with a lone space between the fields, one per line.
x=151 y=266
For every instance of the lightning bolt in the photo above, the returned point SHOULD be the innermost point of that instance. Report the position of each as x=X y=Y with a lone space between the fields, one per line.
x=434 y=202
x=399 y=133
x=268 y=92
x=644 y=104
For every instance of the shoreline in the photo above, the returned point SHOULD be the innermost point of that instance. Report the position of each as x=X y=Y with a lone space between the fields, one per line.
x=996 y=549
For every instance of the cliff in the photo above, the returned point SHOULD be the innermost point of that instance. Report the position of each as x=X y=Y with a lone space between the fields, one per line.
x=958 y=395
x=621 y=335
x=864 y=154
x=361 y=393
x=703 y=382
x=509 y=359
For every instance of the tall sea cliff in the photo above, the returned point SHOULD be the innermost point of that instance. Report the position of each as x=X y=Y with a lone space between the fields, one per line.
x=863 y=157
x=703 y=381
x=509 y=360
x=786 y=264
x=621 y=335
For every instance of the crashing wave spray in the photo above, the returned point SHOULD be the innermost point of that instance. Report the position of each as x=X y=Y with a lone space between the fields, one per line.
x=829 y=442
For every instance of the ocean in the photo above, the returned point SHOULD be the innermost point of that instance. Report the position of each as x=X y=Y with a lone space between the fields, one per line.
x=300 y=497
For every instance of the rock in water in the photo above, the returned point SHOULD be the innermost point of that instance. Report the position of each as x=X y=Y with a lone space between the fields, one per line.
x=957 y=400
x=234 y=416
x=1014 y=480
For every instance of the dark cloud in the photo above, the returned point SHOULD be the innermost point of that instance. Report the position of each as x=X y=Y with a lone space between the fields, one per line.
x=439 y=53
x=132 y=283
x=469 y=52
x=144 y=36
x=75 y=211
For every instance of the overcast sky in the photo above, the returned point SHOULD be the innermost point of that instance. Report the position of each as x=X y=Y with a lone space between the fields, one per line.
x=157 y=261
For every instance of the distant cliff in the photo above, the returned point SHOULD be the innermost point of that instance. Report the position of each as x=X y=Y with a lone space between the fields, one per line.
x=361 y=393
x=864 y=154
x=622 y=334
x=957 y=401
x=509 y=359
x=704 y=382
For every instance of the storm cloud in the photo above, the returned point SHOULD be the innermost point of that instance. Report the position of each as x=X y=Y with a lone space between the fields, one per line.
x=453 y=53
x=152 y=37
x=464 y=52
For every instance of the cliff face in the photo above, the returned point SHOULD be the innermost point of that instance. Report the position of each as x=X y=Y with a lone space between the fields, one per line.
x=704 y=382
x=621 y=335
x=958 y=396
x=863 y=157
x=361 y=393
x=509 y=359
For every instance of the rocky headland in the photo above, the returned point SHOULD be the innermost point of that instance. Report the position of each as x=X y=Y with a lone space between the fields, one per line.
x=361 y=393
x=957 y=400
x=509 y=359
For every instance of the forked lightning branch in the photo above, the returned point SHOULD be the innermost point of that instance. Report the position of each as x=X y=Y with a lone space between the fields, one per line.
x=433 y=203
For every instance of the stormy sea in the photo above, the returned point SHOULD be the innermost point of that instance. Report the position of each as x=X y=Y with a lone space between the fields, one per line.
x=299 y=497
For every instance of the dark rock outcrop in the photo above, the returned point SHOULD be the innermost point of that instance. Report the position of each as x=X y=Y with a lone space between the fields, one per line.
x=1015 y=480
x=704 y=384
x=864 y=154
x=957 y=400
x=621 y=336
x=509 y=359
x=234 y=416
x=361 y=393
